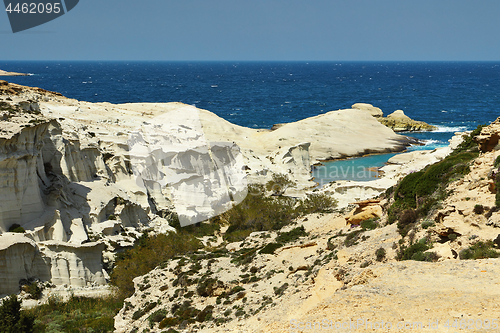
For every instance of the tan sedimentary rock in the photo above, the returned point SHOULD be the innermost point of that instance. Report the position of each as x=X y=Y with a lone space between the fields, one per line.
x=399 y=122
x=489 y=136
x=374 y=111
x=365 y=210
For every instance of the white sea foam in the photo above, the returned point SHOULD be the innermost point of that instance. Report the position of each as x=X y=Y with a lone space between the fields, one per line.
x=451 y=129
x=429 y=144
x=433 y=142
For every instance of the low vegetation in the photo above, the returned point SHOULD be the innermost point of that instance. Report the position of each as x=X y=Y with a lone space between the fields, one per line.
x=480 y=250
x=150 y=252
x=257 y=212
x=79 y=314
x=420 y=192
x=13 y=319
x=417 y=251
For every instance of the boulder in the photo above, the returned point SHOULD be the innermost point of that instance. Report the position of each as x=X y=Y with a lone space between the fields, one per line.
x=366 y=209
x=399 y=122
x=374 y=111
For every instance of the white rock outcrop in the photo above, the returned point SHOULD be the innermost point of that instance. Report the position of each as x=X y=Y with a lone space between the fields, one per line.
x=67 y=173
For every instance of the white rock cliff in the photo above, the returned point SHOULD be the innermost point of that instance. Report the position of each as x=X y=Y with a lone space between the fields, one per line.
x=67 y=174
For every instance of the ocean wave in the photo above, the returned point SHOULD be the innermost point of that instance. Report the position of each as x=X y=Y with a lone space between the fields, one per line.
x=432 y=142
x=429 y=144
x=450 y=129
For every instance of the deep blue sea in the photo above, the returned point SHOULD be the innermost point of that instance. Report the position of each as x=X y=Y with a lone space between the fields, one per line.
x=454 y=96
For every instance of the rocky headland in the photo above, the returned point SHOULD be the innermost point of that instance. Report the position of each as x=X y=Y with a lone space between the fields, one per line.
x=397 y=121
x=5 y=73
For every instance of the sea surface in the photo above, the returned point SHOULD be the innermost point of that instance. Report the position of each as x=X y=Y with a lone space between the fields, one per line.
x=454 y=96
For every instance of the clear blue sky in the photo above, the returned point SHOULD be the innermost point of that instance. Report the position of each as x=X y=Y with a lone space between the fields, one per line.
x=338 y=30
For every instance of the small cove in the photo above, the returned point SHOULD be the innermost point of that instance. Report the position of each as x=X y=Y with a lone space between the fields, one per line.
x=361 y=168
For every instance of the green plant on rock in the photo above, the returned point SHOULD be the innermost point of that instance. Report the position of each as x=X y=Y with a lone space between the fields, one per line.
x=317 y=203
x=427 y=224
x=279 y=183
x=480 y=250
x=416 y=251
x=380 y=254
x=207 y=285
x=157 y=317
x=34 y=290
x=292 y=235
x=478 y=209
x=16 y=228
x=352 y=237
x=257 y=212
x=497 y=187
x=270 y=248
x=93 y=314
x=370 y=224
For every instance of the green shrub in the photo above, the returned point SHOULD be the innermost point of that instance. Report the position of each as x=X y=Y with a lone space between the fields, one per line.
x=34 y=290
x=157 y=317
x=316 y=203
x=279 y=183
x=380 y=254
x=478 y=209
x=416 y=251
x=283 y=238
x=244 y=256
x=370 y=224
x=352 y=237
x=13 y=319
x=479 y=250
x=149 y=252
x=207 y=285
x=279 y=291
x=422 y=190
x=258 y=212
x=427 y=223
x=496 y=164
x=292 y=235
x=168 y=321
x=93 y=314
x=270 y=248
x=17 y=228
x=205 y=314
x=497 y=187
x=138 y=314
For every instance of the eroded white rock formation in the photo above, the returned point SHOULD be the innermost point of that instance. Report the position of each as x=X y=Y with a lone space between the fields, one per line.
x=67 y=174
